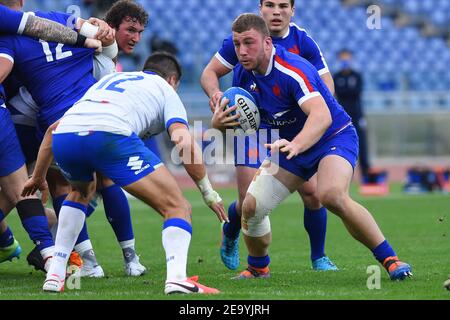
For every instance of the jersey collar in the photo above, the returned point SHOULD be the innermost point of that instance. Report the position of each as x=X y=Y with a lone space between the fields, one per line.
x=287 y=33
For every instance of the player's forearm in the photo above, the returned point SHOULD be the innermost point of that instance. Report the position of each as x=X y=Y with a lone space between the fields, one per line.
x=315 y=127
x=210 y=82
x=194 y=163
x=48 y=30
x=45 y=155
x=329 y=82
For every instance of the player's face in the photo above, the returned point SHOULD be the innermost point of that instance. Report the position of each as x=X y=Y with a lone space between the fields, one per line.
x=250 y=48
x=129 y=34
x=278 y=15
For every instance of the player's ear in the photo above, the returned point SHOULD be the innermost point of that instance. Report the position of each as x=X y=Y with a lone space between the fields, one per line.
x=173 y=81
x=268 y=41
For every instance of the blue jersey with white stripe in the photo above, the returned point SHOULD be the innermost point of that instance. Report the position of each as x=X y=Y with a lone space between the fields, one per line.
x=56 y=75
x=11 y=22
x=296 y=41
x=288 y=83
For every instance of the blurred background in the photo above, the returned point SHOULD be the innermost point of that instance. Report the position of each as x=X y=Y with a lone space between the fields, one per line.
x=404 y=60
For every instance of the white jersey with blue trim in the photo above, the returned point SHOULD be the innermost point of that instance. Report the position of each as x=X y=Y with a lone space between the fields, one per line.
x=125 y=103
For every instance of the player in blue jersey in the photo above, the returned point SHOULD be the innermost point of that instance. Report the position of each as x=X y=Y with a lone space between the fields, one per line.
x=108 y=122
x=64 y=76
x=277 y=14
x=12 y=168
x=14 y=22
x=316 y=137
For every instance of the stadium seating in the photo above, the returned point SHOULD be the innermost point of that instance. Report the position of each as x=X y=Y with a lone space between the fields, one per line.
x=437 y=11
x=391 y=58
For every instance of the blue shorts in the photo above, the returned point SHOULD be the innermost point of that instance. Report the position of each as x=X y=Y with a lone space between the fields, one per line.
x=249 y=151
x=345 y=144
x=11 y=156
x=28 y=142
x=152 y=144
x=123 y=159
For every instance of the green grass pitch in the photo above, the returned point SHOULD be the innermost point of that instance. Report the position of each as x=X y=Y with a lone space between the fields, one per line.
x=418 y=227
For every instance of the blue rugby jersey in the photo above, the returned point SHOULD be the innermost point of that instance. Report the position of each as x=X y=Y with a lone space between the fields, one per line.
x=290 y=81
x=296 y=41
x=56 y=75
x=12 y=22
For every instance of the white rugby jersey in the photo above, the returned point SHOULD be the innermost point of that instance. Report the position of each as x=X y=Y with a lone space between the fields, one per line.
x=124 y=103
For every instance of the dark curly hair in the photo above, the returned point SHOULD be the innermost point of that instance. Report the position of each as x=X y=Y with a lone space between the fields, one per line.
x=126 y=8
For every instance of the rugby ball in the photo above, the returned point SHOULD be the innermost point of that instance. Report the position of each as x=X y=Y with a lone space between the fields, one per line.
x=249 y=120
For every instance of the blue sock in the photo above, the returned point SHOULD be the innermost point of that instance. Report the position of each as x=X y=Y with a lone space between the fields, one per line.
x=2 y=215
x=383 y=251
x=57 y=203
x=6 y=238
x=258 y=262
x=233 y=228
x=315 y=222
x=83 y=236
x=118 y=212
x=34 y=221
x=179 y=223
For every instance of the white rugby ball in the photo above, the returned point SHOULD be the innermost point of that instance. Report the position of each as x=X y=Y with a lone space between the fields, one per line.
x=246 y=106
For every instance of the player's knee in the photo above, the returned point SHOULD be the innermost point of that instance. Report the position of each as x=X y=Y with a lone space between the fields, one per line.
x=249 y=206
x=333 y=199
x=311 y=201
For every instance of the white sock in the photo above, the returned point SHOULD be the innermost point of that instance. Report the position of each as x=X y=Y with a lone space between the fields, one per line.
x=71 y=221
x=176 y=244
x=83 y=247
x=86 y=252
x=127 y=244
x=47 y=252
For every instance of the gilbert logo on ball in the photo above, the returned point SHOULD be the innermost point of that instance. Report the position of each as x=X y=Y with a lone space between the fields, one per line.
x=246 y=107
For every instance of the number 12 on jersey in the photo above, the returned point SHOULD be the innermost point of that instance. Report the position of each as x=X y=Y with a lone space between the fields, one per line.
x=59 y=54
x=114 y=85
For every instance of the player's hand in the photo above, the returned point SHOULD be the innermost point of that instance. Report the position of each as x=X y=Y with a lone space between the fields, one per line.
x=33 y=185
x=94 y=44
x=290 y=148
x=215 y=99
x=215 y=203
x=222 y=118
x=105 y=33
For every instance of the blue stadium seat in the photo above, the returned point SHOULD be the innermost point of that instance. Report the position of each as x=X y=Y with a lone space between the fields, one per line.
x=197 y=27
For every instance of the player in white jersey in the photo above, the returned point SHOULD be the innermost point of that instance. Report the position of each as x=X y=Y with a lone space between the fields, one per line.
x=102 y=133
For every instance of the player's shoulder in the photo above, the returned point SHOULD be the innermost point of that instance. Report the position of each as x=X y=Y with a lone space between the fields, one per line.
x=295 y=29
x=154 y=80
x=292 y=67
x=302 y=34
x=228 y=41
x=56 y=16
x=288 y=59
